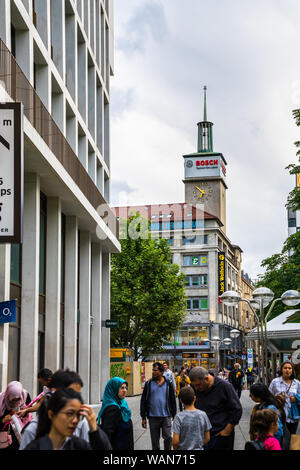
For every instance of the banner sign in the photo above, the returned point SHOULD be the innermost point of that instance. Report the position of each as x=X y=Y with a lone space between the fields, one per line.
x=221 y=273
x=250 y=357
x=8 y=312
x=11 y=172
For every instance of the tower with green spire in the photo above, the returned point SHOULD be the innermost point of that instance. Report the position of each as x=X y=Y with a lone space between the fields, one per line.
x=205 y=172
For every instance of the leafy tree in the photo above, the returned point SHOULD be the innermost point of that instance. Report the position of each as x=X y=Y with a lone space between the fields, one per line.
x=283 y=269
x=147 y=291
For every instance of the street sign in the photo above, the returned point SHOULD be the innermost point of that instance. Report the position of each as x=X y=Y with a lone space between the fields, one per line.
x=8 y=312
x=111 y=323
x=250 y=357
x=11 y=172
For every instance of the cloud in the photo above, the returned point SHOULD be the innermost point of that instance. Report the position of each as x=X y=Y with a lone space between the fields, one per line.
x=246 y=54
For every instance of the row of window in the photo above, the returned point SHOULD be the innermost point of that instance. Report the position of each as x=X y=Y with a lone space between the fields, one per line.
x=197 y=303
x=196 y=281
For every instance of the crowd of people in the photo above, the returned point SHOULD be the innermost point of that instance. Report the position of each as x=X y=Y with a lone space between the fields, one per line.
x=209 y=410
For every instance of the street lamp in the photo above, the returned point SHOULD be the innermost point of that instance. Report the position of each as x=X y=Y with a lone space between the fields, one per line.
x=216 y=343
x=261 y=297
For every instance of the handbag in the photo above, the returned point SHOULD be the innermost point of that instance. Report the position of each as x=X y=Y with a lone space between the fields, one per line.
x=5 y=439
x=295 y=442
x=282 y=397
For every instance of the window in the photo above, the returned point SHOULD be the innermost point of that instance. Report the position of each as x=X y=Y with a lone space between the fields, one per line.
x=197 y=240
x=197 y=303
x=196 y=281
x=195 y=260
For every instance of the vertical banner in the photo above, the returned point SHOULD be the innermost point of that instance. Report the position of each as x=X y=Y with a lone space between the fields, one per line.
x=298 y=180
x=11 y=172
x=221 y=273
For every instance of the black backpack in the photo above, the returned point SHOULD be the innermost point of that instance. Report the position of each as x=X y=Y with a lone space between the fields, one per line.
x=255 y=445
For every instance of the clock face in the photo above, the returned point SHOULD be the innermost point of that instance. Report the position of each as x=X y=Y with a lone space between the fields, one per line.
x=202 y=191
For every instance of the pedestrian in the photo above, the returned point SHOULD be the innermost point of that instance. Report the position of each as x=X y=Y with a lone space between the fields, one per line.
x=236 y=378
x=58 y=417
x=191 y=427
x=219 y=400
x=169 y=374
x=158 y=404
x=12 y=400
x=44 y=378
x=284 y=388
x=61 y=379
x=115 y=415
x=182 y=380
x=265 y=424
x=261 y=395
x=250 y=377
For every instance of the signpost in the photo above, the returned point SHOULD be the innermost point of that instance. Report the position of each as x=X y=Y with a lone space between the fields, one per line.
x=11 y=172
x=111 y=323
x=250 y=357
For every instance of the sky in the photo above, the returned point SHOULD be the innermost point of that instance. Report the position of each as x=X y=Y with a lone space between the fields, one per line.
x=247 y=54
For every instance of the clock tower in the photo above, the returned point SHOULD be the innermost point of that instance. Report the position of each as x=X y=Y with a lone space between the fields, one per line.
x=205 y=173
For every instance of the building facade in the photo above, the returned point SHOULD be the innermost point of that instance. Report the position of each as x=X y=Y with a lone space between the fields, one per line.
x=56 y=58
x=196 y=230
x=294 y=216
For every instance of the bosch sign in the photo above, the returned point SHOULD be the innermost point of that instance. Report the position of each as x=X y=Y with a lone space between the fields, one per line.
x=210 y=163
x=209 y=166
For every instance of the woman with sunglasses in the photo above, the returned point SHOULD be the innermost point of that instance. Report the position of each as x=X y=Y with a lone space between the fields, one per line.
x=58 y=419
x=115 y=415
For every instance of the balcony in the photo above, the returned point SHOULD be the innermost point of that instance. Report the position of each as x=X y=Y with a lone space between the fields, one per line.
x=20 y=90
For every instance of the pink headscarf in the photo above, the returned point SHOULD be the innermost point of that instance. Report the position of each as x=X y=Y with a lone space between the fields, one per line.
x=14 y=390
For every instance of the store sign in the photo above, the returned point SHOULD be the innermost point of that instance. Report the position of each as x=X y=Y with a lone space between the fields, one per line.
x=298 y=180
x=11 y=172
x=250 y=357
x=221 y=273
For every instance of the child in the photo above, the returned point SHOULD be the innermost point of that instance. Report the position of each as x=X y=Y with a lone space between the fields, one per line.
x=265 y=423
x=191 y=427
x=44 y=378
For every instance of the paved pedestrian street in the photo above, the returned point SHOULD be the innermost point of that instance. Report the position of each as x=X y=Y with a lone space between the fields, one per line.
x=142 y=439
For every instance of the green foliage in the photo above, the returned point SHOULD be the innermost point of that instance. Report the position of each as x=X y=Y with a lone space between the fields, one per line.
x=282 y=271
x=147 y=291
x=293 y=201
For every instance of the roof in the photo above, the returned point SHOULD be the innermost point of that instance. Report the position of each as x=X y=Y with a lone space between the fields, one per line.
x=285 y=325
x=170 y=212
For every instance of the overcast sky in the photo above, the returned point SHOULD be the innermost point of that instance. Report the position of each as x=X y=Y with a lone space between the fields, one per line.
x=247 y=53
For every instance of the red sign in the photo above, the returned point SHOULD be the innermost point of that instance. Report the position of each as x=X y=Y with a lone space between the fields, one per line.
x=200 y=163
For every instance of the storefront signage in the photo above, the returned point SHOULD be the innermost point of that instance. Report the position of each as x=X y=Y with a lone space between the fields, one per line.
x=221 y=273
x=298 y=180
x=11 y=172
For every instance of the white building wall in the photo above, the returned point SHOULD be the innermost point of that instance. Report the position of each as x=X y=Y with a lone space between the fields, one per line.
x=63 y=50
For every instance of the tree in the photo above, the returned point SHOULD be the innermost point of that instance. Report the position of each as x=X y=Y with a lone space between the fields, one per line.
x=147 y=292
x=283 y=269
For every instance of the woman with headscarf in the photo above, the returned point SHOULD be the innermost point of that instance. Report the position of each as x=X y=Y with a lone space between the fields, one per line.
x=14 y=399
x=115 y=415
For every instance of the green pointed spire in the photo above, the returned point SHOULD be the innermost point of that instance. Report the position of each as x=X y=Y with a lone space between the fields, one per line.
x=205 y=112
x=205 y=134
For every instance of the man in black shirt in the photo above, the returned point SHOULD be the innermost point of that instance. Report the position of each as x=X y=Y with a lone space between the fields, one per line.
x=220 y=402
x=236 y=378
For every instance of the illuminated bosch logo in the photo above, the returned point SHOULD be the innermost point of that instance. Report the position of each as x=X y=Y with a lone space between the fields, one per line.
x=189 y=163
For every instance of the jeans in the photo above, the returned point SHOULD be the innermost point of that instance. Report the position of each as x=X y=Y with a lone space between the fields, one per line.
x=157 y=424
x=220 y=442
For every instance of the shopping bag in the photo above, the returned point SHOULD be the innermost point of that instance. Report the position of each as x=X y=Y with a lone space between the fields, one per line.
x=295 y=442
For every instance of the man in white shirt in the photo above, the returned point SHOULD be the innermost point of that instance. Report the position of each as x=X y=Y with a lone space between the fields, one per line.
x=169 y=374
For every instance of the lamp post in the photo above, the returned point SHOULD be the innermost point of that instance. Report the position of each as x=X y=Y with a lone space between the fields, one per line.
x=234 y=334
x=216 y=343
x=261 y=297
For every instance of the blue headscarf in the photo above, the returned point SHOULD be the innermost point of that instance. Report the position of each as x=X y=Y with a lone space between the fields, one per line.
x=110 y=397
